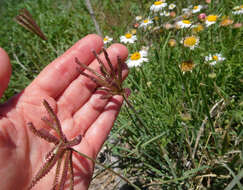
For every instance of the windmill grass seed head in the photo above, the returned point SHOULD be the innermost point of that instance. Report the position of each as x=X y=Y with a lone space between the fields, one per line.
x=61 y=151
x=26 y=20
x=109 y=80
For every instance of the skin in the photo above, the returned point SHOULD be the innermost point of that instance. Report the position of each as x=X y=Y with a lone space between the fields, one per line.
x=76 y=102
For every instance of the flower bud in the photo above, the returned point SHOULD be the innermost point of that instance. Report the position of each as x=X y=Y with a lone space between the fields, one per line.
x=173 y=14
x=202 y=16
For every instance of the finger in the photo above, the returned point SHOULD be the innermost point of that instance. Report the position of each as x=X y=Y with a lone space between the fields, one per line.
x=56 y=76
x=5 y=71
x=100 y=129
x=82 y=88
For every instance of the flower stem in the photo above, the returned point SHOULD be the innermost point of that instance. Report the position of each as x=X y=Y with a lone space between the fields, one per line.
x=136 y=113
x=107 y=168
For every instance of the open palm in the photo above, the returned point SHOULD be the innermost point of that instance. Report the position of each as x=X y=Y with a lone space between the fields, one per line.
x=74 y=99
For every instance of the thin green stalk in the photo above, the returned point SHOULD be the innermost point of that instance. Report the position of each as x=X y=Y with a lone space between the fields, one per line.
x=136 y=113
x=163 y=55
x=127 y=108
x=209 y=117
x=144 y=76
x=107 y=168
x=207 y=109
x=236 y=179
x=188 y=145
x=188 y=94
x=171 y=166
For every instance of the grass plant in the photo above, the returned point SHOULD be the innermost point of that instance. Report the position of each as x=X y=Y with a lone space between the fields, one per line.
x=192 y=112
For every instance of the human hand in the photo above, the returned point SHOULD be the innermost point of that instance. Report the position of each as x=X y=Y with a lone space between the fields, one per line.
x=74 y=99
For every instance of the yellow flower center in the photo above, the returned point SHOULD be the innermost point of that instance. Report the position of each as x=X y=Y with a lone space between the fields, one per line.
x=215 y=58
x=187 y=66
x=158 y=2
x=186 y=21
x=133 y=31
x=172 y=42
x=146 y=21
x=135 y=56
x=156 y=18
x=241 y=6
x=190 y=41
x=128 y=35
x=198 y=28
x=195 y=7
x=212 y=18
x=226 y=22
x=105 y=39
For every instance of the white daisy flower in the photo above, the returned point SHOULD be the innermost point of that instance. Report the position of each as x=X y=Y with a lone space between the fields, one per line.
x=138 y=18
x=107 y=39
x=145 y=23
x=190 y=41
x=211 y=19
x=172 y=6
x=238 y=10
x=144 y=51
x=137 y=58
x=165 y=13
x=197 y=8
x=184 y=24
x=128 y=38
x=185 y=10
x=157 y=6
x=213 y=59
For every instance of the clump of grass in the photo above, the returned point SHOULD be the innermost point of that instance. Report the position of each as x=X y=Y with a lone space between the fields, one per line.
x=187 y=109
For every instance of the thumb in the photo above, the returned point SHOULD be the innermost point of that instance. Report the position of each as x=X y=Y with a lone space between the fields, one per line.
x=5 y=71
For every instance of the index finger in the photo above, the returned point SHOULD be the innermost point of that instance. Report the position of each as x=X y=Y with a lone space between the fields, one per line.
x=57 y=76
